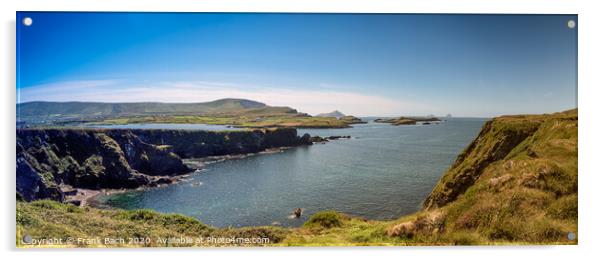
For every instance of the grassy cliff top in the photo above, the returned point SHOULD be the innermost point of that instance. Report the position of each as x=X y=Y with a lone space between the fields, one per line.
x=516 y=182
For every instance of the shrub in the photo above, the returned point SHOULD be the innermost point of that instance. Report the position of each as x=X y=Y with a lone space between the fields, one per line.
x=54 y=205
x=325 y=219
x=183 y=224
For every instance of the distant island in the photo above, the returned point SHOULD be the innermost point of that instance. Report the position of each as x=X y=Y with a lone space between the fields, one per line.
x=409 y=120
x=335 y=113
x=340 y=116
x=235 y=112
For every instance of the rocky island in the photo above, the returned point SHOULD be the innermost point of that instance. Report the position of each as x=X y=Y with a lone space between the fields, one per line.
x=408 y=120
x=348 y=119
x=337 y=114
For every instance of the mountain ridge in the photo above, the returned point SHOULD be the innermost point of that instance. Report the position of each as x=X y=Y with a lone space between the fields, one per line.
x=78 y=110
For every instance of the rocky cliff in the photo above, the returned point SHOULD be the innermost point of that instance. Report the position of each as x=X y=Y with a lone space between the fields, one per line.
x=50 y=159
x=197 y=144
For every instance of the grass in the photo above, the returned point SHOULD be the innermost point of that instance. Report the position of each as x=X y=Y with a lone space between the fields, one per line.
x=47 y=219
x=239 y=121
x=525 y=194
x=515 y=184
x=325 y=219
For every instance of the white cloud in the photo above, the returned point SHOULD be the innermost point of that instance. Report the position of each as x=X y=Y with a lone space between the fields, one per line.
x=310 y=101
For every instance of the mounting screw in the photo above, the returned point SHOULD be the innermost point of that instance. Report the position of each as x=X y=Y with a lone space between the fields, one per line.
x=571 y=24
x=27 y=21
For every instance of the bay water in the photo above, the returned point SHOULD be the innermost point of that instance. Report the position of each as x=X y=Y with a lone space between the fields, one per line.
x=382 y=172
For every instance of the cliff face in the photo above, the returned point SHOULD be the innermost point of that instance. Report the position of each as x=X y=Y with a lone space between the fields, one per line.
x=197 y=144
x=95 y=159
x=495 y=141
x=517 y=181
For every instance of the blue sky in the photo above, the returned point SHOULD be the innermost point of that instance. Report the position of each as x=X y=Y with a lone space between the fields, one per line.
x=383 y=64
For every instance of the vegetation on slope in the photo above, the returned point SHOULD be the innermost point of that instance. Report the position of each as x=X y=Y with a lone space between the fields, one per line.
x=516 y=183
x=46 y=219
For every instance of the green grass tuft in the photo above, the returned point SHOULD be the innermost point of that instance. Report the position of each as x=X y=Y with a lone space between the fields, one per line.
x=325 y=219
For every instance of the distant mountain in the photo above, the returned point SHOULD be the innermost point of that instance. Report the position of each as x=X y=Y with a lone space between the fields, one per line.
x=56 y=111
x=335 y=113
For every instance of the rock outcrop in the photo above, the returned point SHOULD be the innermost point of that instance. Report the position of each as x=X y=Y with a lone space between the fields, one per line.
x=197 y=144
x=48 y=159
x=319 y=139
x=351 y=120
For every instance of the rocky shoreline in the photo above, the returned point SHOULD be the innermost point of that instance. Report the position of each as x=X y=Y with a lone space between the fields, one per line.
x=63 y=164
x=75 y=165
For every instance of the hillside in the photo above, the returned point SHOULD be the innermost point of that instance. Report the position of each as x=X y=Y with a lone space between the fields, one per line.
x=516 y=183
x=40 y=110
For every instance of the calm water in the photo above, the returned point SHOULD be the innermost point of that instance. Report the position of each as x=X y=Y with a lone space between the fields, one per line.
x=382 y=173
